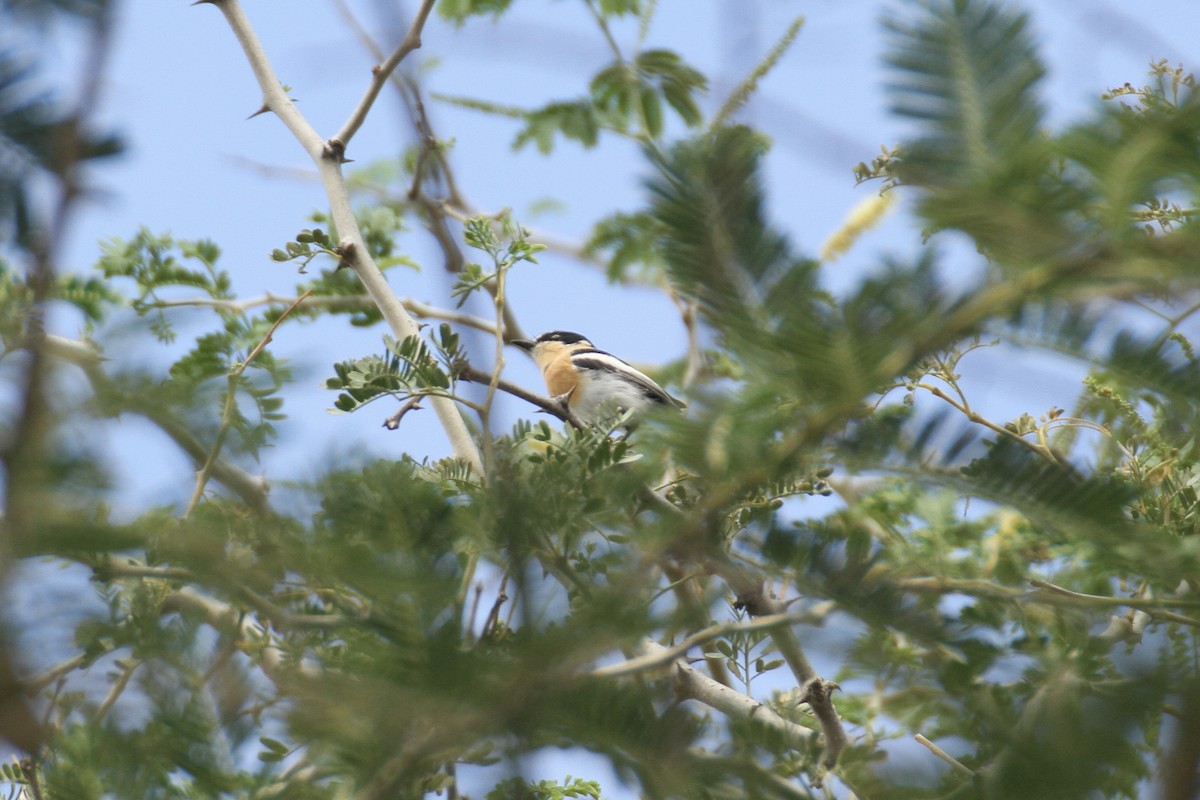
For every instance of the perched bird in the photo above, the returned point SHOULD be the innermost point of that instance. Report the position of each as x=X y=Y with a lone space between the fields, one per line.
x=594 y=384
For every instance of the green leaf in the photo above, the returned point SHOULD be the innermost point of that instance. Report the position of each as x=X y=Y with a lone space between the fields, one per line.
x=617 y=8
x=967 y=72
x=273 y=744
x=651 y=112
x=631 y=239
x=573 y=120
x=716 y=240
x=458 y=11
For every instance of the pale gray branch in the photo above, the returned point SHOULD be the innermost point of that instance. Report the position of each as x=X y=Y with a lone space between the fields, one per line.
x=328 y=157
x=251 y=489
x=36 y=684
x=115 y=691
x=226 y=619
x=693 y=684
x=665 y=655
x=333 y=302
x=696 y=685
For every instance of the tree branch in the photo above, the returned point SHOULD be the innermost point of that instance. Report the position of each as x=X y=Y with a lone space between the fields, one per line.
x=692 y=684
x=816 y=691
x=205 y=471
x=1149 y=605
x=251 y=489
x=665 y=655
x=380 y=75
x=547 y=404
x=226 y=619
x=333 y=302
x=36 y=684
x=328 y=157
x=944 y=756
x=115 y=691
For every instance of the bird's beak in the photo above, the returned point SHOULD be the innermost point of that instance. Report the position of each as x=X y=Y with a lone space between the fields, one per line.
x=524 y=344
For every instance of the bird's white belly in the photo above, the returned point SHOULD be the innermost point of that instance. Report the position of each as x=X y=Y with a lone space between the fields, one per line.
x=602 y=394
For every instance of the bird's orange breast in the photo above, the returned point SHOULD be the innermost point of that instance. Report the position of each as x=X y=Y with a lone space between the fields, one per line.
x=561 y=376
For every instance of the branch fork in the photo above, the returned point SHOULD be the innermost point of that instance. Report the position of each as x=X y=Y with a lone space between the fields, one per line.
x=329 y=155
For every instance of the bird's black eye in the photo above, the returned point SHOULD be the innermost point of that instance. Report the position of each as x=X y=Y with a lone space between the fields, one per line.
x=565 y=337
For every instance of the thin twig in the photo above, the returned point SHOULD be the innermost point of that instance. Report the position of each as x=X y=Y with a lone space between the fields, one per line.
x=548 y=404
x=694 y=362
x=411 y=404
x=661 y=657
x=469 y=628
x=35 y=685
x=436 y=211
x=1051 y=594
x=112 y=567
x=231 y=405
x=1151 y=606
x=251 y=489
x=975 y=588
x=944 y=756
x=115 y=691
x=603 y=24
x=381 y=73
x=332 y=302
x=1037 y=447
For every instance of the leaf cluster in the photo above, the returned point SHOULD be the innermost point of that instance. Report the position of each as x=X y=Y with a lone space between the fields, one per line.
x=1019 y=589
x=408 y=369
x=158 y=264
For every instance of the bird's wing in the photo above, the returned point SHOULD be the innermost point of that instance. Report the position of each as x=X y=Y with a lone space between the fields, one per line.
x=606 y=362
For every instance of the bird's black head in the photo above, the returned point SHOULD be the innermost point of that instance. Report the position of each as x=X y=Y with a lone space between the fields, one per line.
x=558 y=337
x=564 y=337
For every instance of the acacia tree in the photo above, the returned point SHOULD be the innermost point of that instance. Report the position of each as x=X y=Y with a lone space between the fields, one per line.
x=568 y=586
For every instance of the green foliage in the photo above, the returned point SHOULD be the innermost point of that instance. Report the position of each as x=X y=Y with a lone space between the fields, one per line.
x=379 y=227
x=631 y=239
x=459 y=10
x=718 y=247
x=407 y=369
x=626 y=98
x=968 y=72
x=746 y=655
x=91 y=296
x=213 y=367
x=1169 y=86
x=575 y=120
x=153 y=264
x=481 y=234
x=628 y=91
x=309 y=243
x=517 y=789
x=1019 y=591
x=39 y=138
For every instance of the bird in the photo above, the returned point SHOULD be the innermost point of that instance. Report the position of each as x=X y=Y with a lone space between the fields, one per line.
x=594 y=384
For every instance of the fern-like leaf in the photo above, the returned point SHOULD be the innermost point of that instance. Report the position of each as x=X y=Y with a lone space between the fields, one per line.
x=967 y=70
